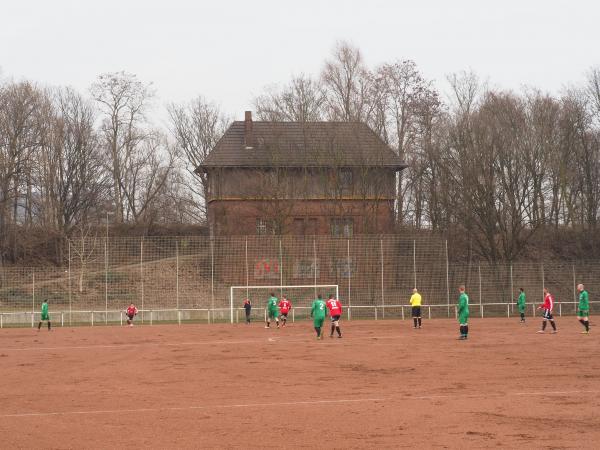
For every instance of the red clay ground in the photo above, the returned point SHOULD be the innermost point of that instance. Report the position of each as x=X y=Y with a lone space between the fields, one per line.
x=382 y=385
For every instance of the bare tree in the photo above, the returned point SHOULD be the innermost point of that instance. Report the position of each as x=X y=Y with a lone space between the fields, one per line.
x=348 y=85
x=122 y=99
x=196 y=127
x=70 y=176
x=302 y=100
x=145 y=176
x=19 y=139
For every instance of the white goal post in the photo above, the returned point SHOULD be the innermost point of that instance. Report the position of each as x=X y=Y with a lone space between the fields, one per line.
x=280 y=288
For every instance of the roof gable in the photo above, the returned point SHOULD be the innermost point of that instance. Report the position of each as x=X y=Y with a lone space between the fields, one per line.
x=297 y=144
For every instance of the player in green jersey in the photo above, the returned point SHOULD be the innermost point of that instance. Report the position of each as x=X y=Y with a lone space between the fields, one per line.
x=463 y=312
x=45 y=317
x=318 y=312
x=272 y=310
x=521 y=304
x=583 y=311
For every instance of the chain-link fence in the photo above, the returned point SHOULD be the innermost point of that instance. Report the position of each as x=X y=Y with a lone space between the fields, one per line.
x=189 y=278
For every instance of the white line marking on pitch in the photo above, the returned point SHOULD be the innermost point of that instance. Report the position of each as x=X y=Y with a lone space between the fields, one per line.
x=294 y=338
x=298 y=403
x=187 y=408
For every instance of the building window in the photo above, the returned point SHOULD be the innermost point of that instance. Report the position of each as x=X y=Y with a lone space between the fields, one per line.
x=298 y=226
x=346 y=178
x=267 y=226
x=305 y=226
x=342 y=227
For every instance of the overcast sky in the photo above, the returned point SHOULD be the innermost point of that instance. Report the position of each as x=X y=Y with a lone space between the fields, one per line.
x=229 y=51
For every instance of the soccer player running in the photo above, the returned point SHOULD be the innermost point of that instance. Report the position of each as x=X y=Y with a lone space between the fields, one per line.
x=335 y=312
x=521 y=304
x=463 y=312
x=248 y=309
x=583 y=310
x=272 y=310
x=131 y=312
x=285 y=307
x=318 y=312
x=415 y=303
x=45 y=317
x=547 y=307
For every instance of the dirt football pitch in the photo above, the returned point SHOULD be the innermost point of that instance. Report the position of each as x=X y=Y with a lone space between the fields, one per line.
x=383 y=385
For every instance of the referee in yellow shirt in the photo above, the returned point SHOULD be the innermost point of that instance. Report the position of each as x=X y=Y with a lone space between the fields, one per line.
x=415 y=302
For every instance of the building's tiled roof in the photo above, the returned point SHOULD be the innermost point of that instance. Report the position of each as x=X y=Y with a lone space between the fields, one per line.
x=296 y=144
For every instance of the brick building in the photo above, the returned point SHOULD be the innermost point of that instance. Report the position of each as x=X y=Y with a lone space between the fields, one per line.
x=334 y=178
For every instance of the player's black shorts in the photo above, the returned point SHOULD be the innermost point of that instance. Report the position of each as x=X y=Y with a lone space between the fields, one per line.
x=283 y=315
x=335 y=318
x=416 y=311
x=131 y=316
x=548 y=315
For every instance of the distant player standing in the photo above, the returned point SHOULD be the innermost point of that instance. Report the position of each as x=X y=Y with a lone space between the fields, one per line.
x=318 y=312
x=583 y=310
x=284 y=308
x=45 y=317
x=463 y=312
x=521 y=302
x=272 y=310
x=335 y=312
x=131 y=312
x=248 y=309
x=547 y=307
x=415 y=303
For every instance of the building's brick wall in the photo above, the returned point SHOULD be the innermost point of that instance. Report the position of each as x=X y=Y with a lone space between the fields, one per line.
x=239 y=217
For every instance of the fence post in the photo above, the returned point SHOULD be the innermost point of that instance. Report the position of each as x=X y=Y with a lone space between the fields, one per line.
x=382 y=292
x=512 y=289
x=375 y=312
x=142 y=274
x=447 y=280
x=574 y=288
x=178 y=317
x=349 y=268
x=32 y=297
x=177 y=274
x=293 y=316
x=280 y=269
x=92 y=312
x=69 y=268
x=314 y=266
x=543 y=279
x=414 y=264
x=106 y=265
x=247 y=271
x=480 y=297
x=212 y=274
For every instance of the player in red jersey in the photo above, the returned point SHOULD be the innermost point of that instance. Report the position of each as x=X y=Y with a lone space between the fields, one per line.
x=335 y=312
x=547 y=307
x=131 y=313
x=284 y=308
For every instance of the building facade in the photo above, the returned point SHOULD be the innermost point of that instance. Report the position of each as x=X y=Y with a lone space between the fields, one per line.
x=334 y=178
